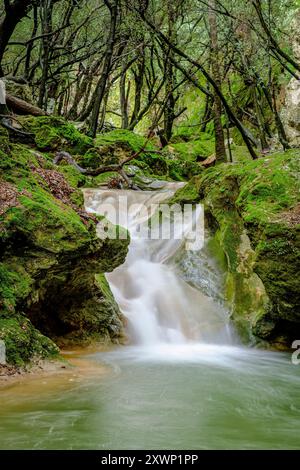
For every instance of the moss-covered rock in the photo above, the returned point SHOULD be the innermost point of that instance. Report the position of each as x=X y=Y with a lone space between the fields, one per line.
x=254 y=210
x=55 y=133
x=23 y=341
x=195 y=150
x=51 y=260
x=118 y=145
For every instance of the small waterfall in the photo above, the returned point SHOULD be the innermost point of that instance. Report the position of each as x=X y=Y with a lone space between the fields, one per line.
x=159 y=303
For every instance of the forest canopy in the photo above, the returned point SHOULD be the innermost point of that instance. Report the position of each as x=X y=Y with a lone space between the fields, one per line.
x=171 y=67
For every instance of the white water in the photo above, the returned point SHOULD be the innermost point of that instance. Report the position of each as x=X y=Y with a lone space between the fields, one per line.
x=181 y=384
x=165 y=314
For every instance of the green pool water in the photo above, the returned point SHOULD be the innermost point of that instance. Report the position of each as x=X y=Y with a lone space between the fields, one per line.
x=170 y=397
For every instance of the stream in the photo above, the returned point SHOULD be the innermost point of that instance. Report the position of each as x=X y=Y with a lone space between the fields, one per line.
x=184 y=381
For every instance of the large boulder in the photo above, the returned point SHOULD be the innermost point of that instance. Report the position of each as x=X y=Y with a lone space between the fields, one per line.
x=52 y=287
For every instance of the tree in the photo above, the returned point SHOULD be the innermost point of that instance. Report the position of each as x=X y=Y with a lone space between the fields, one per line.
x=15 y=11
x=112 y=5
x=216 y=74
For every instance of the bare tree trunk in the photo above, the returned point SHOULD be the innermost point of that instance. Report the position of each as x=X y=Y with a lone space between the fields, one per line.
x=100 y=90
x=22 y=107
x=139 y=81
x=259 y=116
x=14 y=12
x=218 y=107
x=124 y=97
x=104 y=107
x=46 y=8
x=207 y=113
x=30 y=45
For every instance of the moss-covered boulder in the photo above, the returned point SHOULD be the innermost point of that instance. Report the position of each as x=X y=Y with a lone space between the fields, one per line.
x=52 y=288
x=253 y=208
x=55 y=133
x=118 y=145
x=194 y=150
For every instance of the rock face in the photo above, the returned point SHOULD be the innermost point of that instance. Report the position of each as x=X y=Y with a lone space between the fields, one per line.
x=291 y=110
x=52 y=287
x=254 y=211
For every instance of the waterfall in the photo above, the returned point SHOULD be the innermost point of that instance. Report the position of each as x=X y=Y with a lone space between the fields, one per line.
x=161 y=306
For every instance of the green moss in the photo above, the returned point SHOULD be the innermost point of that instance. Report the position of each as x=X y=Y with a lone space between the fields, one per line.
x=15 y=284
x=23 y=342
x=101 y=179
x=240 y=153
x=4 y=142
x=108 y=155
x=249 y=205
x=49 y=256
x=135 y=141
x=74 y=178
x=194 y=150
x=52 y=133
x=156 y=164
x=188 y=194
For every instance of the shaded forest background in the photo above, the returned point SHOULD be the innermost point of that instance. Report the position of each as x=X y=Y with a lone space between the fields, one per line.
x=172 y=67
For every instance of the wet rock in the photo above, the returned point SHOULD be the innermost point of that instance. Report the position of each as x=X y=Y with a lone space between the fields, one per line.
x=52 y=287
x=253 y=211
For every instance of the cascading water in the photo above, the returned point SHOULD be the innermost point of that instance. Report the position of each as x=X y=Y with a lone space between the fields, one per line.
x=182 y=383
x=161 y=307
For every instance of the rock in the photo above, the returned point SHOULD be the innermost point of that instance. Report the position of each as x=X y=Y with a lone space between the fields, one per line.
x=148 y=183
x=157 y=184
x=55 y=133
x=210 y=161
x=2 y=93
x=131 y=170
x=291 y=112
x=253 y=209
x=52 y=286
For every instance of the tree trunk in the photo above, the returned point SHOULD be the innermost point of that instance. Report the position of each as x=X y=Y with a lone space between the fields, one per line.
x=124 y=95
x=139 y=81
x=100 y=91
x=22 y=107
x=46 y=8
x=14 y=12
x=30 y=45
x=206 y=113
x=218 y=108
